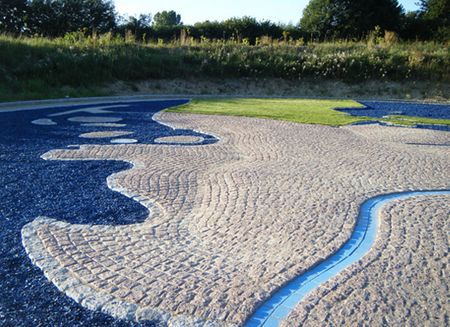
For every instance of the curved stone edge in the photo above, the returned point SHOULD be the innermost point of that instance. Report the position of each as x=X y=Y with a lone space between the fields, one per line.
x=85 y=295
x=153 y=207
x=63 y=279
x=159 y=118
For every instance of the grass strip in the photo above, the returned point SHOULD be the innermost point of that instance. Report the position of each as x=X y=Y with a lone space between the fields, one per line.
x=305 y=111
x=413 y=120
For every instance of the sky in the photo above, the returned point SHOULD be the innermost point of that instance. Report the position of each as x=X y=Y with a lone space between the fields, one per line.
x=192 y=11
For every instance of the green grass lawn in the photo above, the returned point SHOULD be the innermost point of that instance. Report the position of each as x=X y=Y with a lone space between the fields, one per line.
x=411 y=120
x=306 y=111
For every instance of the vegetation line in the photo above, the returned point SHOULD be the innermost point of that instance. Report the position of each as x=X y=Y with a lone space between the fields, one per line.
x=40 y=67
x=81 y=47
x=321 y=20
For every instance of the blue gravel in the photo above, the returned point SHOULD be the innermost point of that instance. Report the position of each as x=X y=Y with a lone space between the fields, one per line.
x=74 y=191
x=378 y=109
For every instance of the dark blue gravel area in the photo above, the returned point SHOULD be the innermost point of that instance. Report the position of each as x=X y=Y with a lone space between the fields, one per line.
x=74 y=191
x=378 y=109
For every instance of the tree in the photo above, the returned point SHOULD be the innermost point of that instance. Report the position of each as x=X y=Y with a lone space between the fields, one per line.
x=12 y=14
x=350 y=18
x=414 y=26
x=138 y=26
x=436 y=15
x=239 y=28
x=58 y=17
x=319 y=18
x=208 y=29
x=93 y=15
x=166 y=19
x=436 y=9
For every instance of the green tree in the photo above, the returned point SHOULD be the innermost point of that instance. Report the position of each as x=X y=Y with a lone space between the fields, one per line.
x=436 y=9
x=166 y=19
x=58 y=17
x=137 y=25
x=93 y=15
x=436 y=15
x=209 y=30
x=12 y=16
x=44 y=18
x=350 y=18
x=413 y=26
x=319 y=18
x=239 y=28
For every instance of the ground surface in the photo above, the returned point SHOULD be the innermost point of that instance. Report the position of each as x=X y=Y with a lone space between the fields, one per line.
x=74 y=191
x=232 y=221
x=403 y=281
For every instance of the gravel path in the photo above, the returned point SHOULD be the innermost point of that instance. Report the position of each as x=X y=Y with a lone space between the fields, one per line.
x=230 y=222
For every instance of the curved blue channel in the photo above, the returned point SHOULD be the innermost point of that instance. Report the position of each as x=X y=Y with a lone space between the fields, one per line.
x=278 y=307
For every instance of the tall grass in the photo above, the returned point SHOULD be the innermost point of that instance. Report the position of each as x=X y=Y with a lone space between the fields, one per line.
x=33 y=65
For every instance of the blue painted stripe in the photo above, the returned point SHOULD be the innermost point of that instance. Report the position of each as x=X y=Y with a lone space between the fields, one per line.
x=282 y=302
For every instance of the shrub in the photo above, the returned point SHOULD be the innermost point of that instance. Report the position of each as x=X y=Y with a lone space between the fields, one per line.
x=84 y=60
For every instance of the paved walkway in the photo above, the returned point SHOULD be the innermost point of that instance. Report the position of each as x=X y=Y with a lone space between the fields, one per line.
x=403 y=281
x=230 y=222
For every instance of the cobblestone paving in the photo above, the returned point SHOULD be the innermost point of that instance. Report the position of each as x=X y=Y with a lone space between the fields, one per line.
x=230 y=222
x=401 y=135
x=401 y=282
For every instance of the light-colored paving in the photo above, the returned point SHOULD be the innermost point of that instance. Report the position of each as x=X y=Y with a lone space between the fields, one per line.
x=283 y=302
x=230 y=222
x=403 y=281
x=401 y=135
